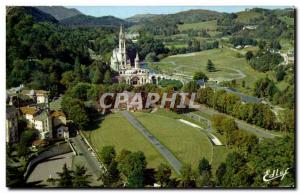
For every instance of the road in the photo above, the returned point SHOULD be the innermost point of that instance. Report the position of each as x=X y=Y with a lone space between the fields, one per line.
x=173 y=161
x=82 y=150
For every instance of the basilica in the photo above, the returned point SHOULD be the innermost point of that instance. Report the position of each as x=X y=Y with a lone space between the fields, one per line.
x=133 y=75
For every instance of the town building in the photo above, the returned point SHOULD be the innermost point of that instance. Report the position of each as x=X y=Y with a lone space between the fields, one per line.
x=11 y=125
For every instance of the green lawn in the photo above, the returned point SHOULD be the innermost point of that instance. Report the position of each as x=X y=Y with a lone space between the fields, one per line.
x=228 y=64
x=188 y=144
x=115 y=130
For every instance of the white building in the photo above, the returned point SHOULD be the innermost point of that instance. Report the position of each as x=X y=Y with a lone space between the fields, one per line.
x=133 y=75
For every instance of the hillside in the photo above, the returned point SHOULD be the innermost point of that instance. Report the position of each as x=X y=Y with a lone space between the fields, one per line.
x=38 y=15
x=84 y=20
x=141 y=17
x=166 y=24
x=59 y=12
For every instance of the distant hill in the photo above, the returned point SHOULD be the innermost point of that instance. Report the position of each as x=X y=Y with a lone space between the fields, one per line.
x=140 y=17
x=190 y=16
x=166 y=24
x=85 y=20
x=59 y=12
x=38 y=15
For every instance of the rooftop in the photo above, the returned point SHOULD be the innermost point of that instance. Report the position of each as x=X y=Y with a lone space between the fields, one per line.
x=58 y=114
x=28 y=110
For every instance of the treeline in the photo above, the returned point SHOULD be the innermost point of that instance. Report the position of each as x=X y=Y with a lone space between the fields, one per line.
x=239 y=41
x=257 y=114
x=194 y=46
x=266 y=88
x=265 y=61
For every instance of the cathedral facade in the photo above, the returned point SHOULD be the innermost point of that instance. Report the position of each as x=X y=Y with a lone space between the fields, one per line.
x=119 y=62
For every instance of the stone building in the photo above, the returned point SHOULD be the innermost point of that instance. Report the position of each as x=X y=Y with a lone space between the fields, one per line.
x=133 y=75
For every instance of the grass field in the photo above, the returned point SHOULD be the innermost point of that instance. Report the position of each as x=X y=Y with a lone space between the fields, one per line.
x=206 y=25
x=115 y=130
x=188 y=144
x=227 y=64
x=244 y=17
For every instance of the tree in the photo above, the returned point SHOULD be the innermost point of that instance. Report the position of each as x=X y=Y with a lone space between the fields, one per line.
x=249 y=55
x=200 y=76
x=26 y=139
x=204 y=166
x=163 y=175
x=80 y=177
x=79 y=116
x=275 y=45
x=220 y=173
x=243 y=83
x=136 y=179
x=133 y=166
x=190 y=87
x=79 y=91
x=65 y=177
x=107 y=77
x=204 y=172
x=107 y=154
x=280 y=74
x=210 y=67
x=265 y=88
x=217 y=123
x=97 y=76
x=228 y=127
x=187 y=176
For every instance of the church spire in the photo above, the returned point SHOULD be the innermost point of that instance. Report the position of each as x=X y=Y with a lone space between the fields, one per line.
x=121 y=34
x=137 y=60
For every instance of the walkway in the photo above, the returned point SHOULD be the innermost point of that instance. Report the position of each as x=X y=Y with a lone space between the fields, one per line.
x=173 y=161
x=90 y=161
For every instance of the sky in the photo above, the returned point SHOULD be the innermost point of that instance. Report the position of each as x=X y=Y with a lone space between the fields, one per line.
x=128 y=11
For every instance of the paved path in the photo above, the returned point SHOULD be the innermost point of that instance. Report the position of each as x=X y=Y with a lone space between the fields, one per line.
x=174 y=162
x=90 y=161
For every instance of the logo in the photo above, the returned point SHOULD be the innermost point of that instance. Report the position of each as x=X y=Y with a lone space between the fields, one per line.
x=275 y=174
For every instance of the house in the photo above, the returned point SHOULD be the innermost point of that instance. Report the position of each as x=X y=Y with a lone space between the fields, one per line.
x=38 y=95
x=11 y=125
x=38 y=119
x=59 y=125
x=29 y=113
